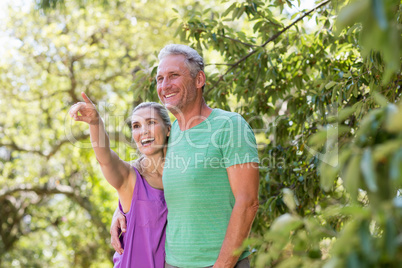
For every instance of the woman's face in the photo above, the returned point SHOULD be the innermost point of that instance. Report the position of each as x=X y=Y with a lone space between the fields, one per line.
x=148 y=130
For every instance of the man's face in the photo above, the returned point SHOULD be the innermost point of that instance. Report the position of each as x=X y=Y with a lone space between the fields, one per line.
x=176 y=88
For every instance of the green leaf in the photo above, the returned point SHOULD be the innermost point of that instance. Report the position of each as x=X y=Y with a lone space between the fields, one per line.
x=351 y=29
x=352 y=176
x=206 y=11
x=257 y=26
x=214 y=37
x=318 y=139
x=382 y=151
x=334 y=91
x=170 y=22
x=396 y=165
x=391 y=245
x=240 y=12
x=351 y=13
x=393 y=121
x=235 y=12
x=355 y=90
x=380 y=99
x=290 y=262
x=367 y=167
x=346 y=113
x=330 y=84
x=346 y=242
x=366 y=123
x=227 y=11
x=328 y=174
x=356 y=211
x=179 y=30
x=288 y=199
x=285 y=223
x=365 y=240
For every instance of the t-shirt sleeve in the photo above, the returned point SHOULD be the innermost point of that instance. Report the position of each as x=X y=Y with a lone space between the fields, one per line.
x=238 y=142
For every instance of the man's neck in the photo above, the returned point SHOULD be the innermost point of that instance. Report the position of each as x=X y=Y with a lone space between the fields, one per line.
x=192 y=116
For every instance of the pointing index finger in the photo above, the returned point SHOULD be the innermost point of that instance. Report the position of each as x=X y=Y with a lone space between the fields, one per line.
x=86 y=99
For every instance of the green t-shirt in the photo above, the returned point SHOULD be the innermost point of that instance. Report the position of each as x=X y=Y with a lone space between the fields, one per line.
x=197 y=189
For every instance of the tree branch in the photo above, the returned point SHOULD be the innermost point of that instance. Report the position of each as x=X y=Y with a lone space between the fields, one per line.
x=44 y=190
x=216 y=64
x=15 y=147
x=115 y=136
x=52 y=152
x=50 y=189
x=73 y=81
x=272 y=38
x=238 y=41
x=60 y=143
x=16 y=97
x=105 y=80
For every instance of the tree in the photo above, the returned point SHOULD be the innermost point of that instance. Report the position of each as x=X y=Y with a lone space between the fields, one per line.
x=324 y=102
x=55 y=204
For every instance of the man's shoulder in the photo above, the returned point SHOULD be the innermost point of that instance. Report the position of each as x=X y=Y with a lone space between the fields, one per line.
x=222 y=113
x=227 y=117
x=218 y=112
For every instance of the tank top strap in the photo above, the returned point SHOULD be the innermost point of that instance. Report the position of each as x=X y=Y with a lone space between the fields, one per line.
x=139 y=184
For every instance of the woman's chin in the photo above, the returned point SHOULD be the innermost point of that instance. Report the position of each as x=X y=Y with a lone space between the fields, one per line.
x=150 y=151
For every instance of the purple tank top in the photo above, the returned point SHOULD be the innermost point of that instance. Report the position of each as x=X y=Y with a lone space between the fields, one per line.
x=144 y=241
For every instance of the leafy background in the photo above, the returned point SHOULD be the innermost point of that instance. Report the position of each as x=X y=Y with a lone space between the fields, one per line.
x=320 y=86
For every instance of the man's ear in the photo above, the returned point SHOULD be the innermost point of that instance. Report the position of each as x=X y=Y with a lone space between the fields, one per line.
x=168 y=134
x=200 y=79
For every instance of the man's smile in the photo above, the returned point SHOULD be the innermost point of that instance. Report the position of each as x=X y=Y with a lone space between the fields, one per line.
x=170 y=95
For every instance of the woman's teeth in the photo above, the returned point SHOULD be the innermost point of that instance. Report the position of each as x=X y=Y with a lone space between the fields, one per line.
x=146 y=141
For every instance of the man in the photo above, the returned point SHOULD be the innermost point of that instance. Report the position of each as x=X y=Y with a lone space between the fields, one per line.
x=211 y=173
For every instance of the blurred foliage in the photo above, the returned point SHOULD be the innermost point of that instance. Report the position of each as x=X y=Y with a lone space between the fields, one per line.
x=55 y=205
x=320 y=87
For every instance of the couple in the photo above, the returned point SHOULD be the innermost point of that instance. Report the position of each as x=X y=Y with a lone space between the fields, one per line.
x=210 y=174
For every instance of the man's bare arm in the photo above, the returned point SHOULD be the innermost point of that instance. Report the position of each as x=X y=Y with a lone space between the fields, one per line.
x=244 y=181
x=118 y=226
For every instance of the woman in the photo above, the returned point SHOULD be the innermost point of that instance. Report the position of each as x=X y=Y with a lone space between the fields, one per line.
x=139 y=186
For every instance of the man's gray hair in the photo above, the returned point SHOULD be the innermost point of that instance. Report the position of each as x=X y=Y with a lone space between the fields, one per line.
x=194 y=61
